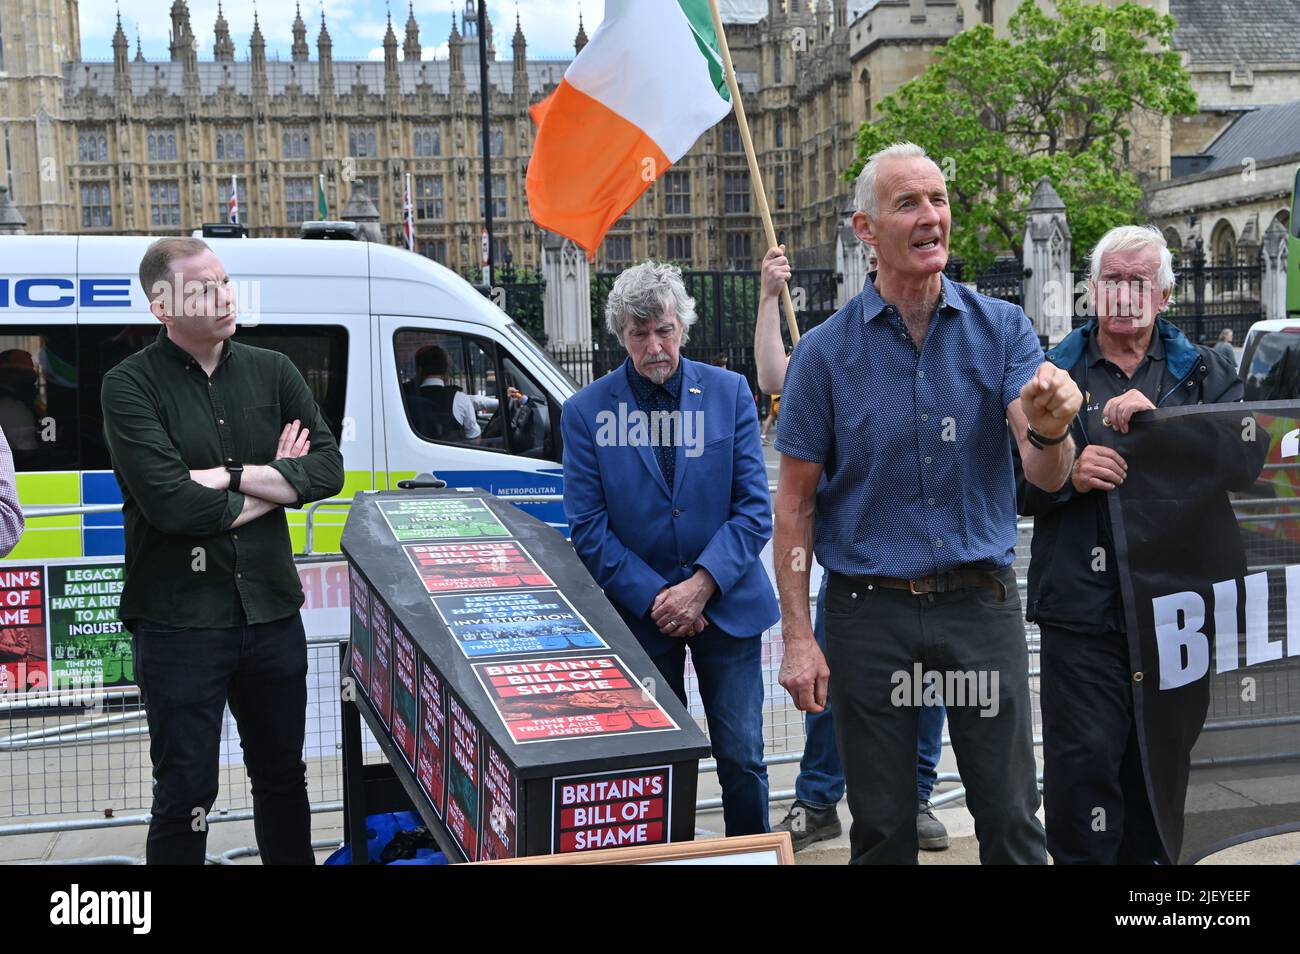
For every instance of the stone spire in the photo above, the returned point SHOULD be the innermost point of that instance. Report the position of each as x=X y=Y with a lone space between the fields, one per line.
x=390 y=47
x=581 y=39
x=411 y=48
x=299 y=49
x=325 y=51
x=257 y=46
x=223 y=49
x=139 y=53
x=121 y=48
x=520 y=76
x=180 y=29
x=455 y=50
x=11 y=220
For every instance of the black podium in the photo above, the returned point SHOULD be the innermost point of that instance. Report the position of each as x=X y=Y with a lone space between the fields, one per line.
x=517 y=712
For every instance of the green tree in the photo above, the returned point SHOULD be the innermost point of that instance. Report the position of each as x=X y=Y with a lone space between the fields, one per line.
x=1057 y=98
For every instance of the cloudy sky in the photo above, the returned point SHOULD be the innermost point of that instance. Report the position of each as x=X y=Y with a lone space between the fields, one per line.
x=356 y=26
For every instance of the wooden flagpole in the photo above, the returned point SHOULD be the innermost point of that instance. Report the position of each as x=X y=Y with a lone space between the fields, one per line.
x=756 y=177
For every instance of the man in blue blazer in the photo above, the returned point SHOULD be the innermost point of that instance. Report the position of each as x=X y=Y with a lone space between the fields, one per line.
x=666 y=495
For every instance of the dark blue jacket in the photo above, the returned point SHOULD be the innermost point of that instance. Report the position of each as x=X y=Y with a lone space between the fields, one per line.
x=1064 y=588
x=636 y=537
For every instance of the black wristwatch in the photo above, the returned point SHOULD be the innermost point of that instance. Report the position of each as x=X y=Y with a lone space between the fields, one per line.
x=236 y=472
x=1041 y=442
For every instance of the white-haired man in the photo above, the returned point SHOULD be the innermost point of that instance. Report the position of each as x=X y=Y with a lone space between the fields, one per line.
x=665 y=491
x=902 y=398
x=1125 y=360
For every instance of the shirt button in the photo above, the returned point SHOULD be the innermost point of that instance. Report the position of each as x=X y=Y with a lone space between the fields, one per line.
x=925 y=417
x=677 y=513
x=930 y=501
x=1137 y=677
x=927 y=460
x=920 y=374
x=221 y=420
x=234 y=536
x=938 y=544
x=686 y=566
x=239 y=576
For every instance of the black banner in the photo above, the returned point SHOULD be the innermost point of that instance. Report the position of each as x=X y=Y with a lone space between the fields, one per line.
x=1207 y=538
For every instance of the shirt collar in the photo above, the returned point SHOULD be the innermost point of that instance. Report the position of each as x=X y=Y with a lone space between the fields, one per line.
x=1155 y=350
x=643 y=387
x=173 y=350
x=873 y=306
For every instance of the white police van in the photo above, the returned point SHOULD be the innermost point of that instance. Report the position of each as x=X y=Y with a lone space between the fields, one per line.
x=351 y=315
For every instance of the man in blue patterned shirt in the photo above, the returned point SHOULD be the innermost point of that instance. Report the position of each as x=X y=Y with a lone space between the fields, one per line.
x=903 y=399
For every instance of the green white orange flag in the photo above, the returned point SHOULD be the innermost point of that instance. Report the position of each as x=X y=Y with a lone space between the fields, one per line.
x=633 y=102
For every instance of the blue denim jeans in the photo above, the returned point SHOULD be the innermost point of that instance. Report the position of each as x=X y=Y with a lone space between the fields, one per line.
x=731 y=686
x=821 y=777
x=186 y=678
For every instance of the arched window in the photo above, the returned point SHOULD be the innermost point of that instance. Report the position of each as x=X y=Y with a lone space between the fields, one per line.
x=221 y=146
x=103 y=148
x=1223 y=244
x=171 y=145
x=437 y=142
x=864 y=80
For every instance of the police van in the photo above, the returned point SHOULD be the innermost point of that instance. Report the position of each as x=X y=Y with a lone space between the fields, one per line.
x=351 y=315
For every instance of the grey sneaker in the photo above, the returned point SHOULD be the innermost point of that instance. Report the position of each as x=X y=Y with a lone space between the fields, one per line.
x=807 y=825
x=930 y=833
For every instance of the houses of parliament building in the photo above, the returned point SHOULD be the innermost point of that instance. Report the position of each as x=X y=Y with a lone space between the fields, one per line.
x=137 y=147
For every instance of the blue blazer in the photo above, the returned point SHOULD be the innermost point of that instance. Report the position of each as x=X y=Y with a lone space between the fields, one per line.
x=636 y=538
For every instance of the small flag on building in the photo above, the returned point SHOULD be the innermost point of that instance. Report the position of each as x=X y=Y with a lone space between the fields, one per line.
x=322 y=209
x=234 y=201
x=408 y=217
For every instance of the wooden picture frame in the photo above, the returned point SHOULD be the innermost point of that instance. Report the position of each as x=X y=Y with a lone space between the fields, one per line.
x=774 y=848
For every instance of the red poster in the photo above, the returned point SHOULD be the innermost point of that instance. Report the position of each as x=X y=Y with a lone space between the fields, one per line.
x=462 y=779
x=557 y=698
x=499 y=800
x=24 y=646
x=359 y=598
x=612 y=810
x=456 y=567
x=404 y=702
x=433 y=724
x=381 y=653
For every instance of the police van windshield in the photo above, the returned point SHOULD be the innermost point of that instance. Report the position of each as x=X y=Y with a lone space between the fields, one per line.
x=1270 y=365
x=527 y=341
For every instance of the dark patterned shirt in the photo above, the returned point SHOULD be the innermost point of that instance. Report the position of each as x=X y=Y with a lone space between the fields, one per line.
x=651 y=397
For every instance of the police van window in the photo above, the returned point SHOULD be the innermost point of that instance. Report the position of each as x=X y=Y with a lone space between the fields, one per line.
x=533 y=417
x=319 y=352
x=1271 y=366
x=38 y=396
x=450 y=388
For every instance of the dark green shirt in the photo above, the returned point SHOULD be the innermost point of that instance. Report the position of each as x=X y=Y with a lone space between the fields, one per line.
x=164 y=417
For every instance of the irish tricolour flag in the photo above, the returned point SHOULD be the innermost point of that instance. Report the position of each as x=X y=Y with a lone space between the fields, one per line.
x=631 y=104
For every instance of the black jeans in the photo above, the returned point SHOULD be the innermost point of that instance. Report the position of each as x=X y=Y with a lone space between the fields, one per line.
x=975 y=640
x=1094 y=791
x=186 y=677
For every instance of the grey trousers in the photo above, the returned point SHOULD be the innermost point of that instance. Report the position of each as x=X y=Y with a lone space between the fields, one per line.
x=884 y=647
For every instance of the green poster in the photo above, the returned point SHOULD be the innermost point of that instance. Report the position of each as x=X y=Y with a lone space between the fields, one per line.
x=450 y=519
x=88 y=643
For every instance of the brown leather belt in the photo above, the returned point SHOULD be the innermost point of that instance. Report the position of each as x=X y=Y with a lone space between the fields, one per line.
x=949 y=582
